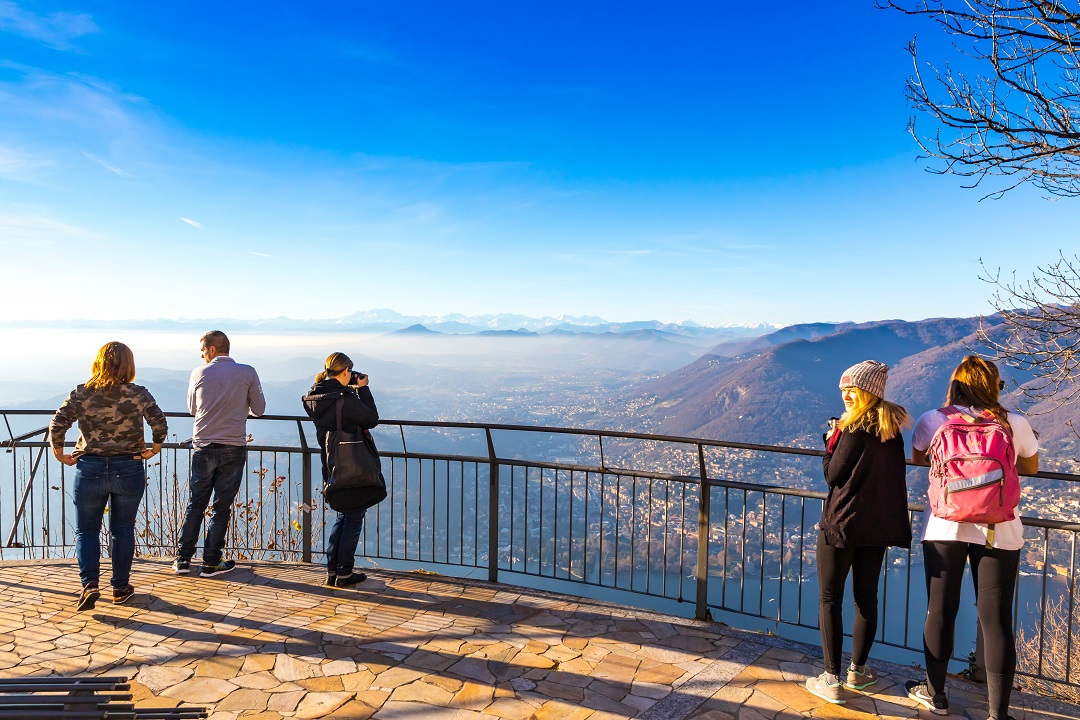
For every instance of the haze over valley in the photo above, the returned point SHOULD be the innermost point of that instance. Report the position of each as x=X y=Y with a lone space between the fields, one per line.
x=758 y=384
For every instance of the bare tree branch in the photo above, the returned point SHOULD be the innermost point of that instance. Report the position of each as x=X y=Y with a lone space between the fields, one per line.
x=1041 y=318
x=1018 y=115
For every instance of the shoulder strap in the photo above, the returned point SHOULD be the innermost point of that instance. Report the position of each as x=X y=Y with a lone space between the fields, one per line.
x=954 y=412
x=340 y=404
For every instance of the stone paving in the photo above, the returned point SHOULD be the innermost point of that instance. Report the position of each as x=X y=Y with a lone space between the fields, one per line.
x=268 y=641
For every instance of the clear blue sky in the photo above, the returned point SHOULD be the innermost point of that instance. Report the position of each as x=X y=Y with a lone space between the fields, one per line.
x=629 y=160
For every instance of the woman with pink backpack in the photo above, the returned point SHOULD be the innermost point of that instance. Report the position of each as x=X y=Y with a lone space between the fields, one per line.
x=976 y=451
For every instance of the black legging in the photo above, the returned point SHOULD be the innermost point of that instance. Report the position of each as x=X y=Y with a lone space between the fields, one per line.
x=833 y=565
x=994 y=573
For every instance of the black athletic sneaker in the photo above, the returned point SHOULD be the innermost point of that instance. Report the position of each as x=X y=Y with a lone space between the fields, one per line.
x=122 y=595
x=331 y=579
x=920 y=693
x=220 y=569
x=88 y=597
x=351 y=579
x=181 y=567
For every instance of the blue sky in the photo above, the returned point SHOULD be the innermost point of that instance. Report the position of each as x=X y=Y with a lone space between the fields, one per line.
x=626 y=160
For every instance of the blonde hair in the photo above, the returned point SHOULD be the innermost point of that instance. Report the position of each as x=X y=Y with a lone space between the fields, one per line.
x=114 y=365
x=875 y=415
x=976 y=383
x=336 y=363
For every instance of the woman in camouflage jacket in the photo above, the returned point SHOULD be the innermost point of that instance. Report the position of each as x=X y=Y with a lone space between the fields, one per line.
x=108 y=460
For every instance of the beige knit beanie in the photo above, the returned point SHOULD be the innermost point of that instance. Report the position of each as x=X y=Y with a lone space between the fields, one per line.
x=869 y=375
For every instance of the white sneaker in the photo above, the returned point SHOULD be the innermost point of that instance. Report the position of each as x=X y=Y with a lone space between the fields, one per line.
x=827 y=688
x=859 y=678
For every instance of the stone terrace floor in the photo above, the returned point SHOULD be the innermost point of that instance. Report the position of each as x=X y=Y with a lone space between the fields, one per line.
x=268 y=641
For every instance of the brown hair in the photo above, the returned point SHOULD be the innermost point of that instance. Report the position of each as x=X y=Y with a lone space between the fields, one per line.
x=976 y=383
x=114 y=365
x=335 y=364
x=218 y=340
x=875 y=415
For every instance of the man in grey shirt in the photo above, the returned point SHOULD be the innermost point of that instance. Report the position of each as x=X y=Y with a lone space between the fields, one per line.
x=221 y=395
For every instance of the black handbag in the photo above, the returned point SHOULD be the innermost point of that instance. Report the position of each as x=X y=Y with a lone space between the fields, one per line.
x=355 y=481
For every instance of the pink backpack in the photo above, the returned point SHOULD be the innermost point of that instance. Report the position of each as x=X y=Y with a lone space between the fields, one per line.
x=973 y=476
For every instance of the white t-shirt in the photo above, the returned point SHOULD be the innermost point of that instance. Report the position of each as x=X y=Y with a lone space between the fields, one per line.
x=1007 y=535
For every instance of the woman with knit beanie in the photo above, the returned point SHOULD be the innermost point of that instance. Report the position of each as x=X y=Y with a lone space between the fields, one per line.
x=865 y=513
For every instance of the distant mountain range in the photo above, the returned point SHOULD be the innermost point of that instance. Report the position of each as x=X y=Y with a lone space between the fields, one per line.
x=384 y=321
x=781 y=388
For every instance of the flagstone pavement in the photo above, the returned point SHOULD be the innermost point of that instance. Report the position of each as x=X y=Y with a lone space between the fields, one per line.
x=268 y=641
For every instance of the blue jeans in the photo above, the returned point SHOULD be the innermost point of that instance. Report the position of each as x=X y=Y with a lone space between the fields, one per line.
x=215 y=470
x=120 y=482
x=341 y=545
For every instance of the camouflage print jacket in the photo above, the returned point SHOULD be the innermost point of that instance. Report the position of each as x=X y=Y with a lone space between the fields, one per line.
x=110 y=420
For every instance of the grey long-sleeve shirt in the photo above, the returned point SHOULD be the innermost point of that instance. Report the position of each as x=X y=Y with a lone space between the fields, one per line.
x=221 y=395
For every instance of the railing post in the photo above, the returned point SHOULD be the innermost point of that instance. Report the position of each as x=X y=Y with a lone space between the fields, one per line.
x=701 y=609
x=493 y=510
x=305 y=494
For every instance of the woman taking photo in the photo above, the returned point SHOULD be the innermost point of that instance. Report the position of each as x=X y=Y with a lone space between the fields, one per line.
x=992 y=549
x=337 y=382
x=108 y=460
x=865 y=513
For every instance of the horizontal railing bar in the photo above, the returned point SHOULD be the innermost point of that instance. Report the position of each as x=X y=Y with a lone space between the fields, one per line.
x=585 y=432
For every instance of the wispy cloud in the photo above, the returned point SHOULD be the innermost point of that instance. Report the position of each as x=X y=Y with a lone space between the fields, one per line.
x=16 y=164
x=108 y=165
x=56 y=30
x=192 y=223
x=42 y=231
x=252 y=252
x=627 y=252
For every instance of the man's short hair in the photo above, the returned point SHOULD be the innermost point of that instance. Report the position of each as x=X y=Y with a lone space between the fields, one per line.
x=216 y=339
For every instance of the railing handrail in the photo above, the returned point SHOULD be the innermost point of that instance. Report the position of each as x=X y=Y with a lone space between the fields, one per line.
x=587 y=432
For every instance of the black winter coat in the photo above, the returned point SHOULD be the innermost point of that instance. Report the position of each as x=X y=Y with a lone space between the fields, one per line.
x=358 y=413
x=867 y=502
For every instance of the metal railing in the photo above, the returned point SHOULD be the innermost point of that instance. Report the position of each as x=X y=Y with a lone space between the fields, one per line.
x=615 y=515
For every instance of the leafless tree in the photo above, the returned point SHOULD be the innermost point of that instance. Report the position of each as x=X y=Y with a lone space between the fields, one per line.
x=1009 y=106
x=1042 y=328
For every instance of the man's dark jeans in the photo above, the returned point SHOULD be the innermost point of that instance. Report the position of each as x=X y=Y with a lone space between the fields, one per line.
x=217 y=470
x=341 y=544
x=120 y=482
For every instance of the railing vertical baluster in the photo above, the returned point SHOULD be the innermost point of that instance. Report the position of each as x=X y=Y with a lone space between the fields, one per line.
x=305 y=490
x=764 y=535
x=633 y=529
x=742 y=554
x=648 y=541
x=723 y=577
x=1070 y=582
x=667 y=518
x=1042 y=598
x=783 y=551
x=802 y=537
x=907 y=590
x=493 y=510
x=618 y=529
x=701 y=607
